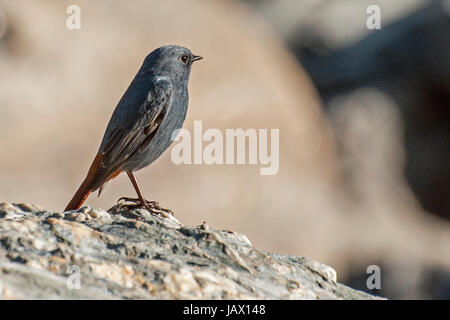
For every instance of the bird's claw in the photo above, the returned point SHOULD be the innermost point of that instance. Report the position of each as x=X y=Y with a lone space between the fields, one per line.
x=152 y=207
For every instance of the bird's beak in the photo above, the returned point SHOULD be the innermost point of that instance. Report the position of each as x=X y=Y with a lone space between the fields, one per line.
x=195 y=58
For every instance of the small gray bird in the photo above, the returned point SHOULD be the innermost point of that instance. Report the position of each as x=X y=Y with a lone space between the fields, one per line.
x=141 y=126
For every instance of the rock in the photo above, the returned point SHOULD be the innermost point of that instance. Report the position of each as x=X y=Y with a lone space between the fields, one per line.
x=121 y=254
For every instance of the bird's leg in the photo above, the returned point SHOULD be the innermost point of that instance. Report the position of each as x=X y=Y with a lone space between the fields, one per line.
x=152 y=207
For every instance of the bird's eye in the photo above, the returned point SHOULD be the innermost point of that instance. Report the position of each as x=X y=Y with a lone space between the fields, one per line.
x=184 y=59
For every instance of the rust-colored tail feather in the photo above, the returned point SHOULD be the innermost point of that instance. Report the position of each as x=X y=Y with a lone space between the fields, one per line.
x=86 y=187
x=80 y=196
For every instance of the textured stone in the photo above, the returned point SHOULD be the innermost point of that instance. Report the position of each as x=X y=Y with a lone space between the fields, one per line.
x=123 y=254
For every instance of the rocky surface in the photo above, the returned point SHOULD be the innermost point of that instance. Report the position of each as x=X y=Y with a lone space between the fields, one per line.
x=121 y=254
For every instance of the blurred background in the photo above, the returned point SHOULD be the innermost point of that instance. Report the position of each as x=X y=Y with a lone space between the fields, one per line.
x=364 y=121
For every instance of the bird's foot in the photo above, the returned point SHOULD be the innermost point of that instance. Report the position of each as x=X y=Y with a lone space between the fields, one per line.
x=152 y=207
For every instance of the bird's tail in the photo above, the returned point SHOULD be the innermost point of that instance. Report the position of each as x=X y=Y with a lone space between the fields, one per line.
x=86 y=187
x=80 y=196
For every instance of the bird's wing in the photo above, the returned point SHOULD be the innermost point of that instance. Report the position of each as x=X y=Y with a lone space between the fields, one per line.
x=134 y=133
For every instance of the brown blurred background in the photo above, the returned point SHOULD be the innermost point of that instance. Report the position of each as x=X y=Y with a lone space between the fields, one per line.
x=364 y=121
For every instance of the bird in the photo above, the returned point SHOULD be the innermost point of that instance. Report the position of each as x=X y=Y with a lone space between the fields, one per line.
x=141 y=126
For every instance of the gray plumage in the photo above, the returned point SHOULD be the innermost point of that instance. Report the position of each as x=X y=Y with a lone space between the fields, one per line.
x=153 y=106
x=141 y=126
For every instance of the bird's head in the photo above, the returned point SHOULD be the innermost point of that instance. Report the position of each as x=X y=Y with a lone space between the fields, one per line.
x=172 y=61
